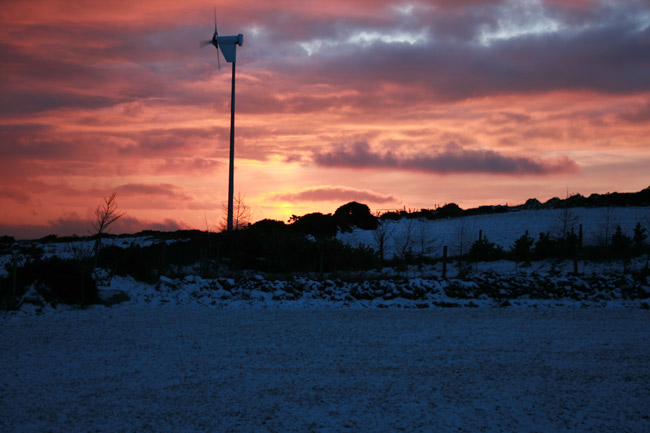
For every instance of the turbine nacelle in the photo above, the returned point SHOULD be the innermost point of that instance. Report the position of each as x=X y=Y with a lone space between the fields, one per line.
x=227 y=43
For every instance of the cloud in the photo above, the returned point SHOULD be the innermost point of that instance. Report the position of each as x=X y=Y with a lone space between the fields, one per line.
x=452 y=158
x=160 y=190
x=454 y=66
x=128 y=224
x=188 y=165
x=15 y=194
x=639 y=113
x=334 y=193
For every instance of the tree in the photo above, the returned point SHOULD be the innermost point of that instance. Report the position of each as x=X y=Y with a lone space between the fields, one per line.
x=404 y=244
x=545 y=247
x=382 y=234
x=606 y=225
x=241 y=214
x=316 y=224
x=450 y=210
x=568 y=221
x=639 y=238
x=523 y=247
x=105 y=215
x=483 y=249
x=355 y=214
x=621 y=243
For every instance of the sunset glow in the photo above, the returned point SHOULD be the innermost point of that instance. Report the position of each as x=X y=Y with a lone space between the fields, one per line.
x=390 y=103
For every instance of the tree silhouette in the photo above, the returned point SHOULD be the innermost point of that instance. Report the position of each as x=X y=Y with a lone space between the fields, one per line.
x=105 y=215
x=241 y=215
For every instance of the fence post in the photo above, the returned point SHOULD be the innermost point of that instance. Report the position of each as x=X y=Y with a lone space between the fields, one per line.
x=444 y=262
x=580 y=237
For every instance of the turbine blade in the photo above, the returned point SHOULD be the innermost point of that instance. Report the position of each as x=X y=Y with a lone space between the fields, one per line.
x=218 y=60
x=204 y=43
x=215 y=20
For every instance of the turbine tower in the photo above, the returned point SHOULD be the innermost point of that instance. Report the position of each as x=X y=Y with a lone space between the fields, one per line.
x=228 y=46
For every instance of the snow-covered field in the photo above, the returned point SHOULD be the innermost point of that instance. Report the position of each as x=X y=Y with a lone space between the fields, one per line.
x=430 y=236
x=374 y=351
x=152 y=368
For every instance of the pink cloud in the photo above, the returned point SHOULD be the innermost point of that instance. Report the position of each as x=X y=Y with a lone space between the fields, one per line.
x=334 y=193
x=137 y=189
x=452 y=158
x=16 y=194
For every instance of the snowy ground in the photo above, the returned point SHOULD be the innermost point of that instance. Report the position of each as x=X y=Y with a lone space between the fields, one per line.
x=380 y=351
x=428 y=237
x=151 y=368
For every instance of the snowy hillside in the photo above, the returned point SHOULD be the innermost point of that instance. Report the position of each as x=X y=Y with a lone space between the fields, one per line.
x=502 y=228
x=541 y=283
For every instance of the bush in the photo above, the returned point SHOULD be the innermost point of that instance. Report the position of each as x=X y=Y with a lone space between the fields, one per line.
x=269 y=226
x=522 y=250
x=483 y=249
x=355 y=214
x=57 y=280
x=316 y=224
x=545 y=247
x=621 y=244
x=639 y=238
x=450 y=210
x=391 y=216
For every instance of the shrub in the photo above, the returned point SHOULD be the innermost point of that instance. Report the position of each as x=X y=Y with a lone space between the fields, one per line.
x=355 y=214
x=639 y=238
x=545 y=247
x=269 y=226
x=316 y=224
x=392 y=216
x=522 y=249
x=57 y=280
x=450 y=210
x=483 y=249
x=621 y=244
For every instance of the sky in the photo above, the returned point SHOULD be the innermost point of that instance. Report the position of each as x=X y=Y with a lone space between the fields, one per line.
x=395 y=104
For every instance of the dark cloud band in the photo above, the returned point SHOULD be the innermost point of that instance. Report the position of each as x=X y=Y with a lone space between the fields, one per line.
x=452 y=158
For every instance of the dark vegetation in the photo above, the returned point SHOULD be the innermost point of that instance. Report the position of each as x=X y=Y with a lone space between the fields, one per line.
x=452 y=210
x=307 y=244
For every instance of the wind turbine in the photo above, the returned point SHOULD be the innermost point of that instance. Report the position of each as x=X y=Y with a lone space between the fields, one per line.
x=228 y=46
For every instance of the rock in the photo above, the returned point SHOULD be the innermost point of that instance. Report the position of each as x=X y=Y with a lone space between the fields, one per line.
x=445 y=304
x=112 y=297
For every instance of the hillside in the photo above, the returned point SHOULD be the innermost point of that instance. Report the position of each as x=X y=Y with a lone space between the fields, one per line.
x=429 y=236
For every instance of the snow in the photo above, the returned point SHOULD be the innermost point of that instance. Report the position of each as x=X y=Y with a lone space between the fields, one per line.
x=501 y=228
x=526 y=348
x=148 y=368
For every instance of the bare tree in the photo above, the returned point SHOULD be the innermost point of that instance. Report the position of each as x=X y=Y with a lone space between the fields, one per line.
x=606 y=226
x=105 y=215
x=567 y=219
x=242 y=214
x=404 y=244
x=426 y=244
x=382 y=234
x=461 y=233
